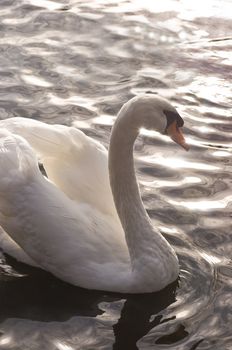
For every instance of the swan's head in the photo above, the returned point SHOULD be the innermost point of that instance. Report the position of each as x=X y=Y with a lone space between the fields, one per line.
x=155 y=113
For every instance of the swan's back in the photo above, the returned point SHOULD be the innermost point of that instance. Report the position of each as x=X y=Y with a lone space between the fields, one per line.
x=60 y=235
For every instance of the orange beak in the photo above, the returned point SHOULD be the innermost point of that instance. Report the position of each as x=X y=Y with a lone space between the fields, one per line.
x=176 y=135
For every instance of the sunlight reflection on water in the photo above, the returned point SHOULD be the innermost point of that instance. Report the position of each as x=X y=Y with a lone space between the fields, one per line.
x=178 y=163
x=75 y=63
x=204 y=205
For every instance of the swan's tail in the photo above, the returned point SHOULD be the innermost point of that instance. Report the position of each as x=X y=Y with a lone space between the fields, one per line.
x=18 y=162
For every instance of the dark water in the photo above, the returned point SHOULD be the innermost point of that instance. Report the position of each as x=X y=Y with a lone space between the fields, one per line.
x=76 y=63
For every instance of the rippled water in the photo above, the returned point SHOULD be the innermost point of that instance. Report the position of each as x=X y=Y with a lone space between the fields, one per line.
x=76 y=63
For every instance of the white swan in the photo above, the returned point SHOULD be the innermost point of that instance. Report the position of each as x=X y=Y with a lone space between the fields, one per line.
x=69 y=225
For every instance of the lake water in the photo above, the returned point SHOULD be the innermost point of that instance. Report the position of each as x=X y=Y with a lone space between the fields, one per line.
x=76 y=63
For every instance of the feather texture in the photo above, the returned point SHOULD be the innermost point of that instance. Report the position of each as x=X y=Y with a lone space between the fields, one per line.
x=70 y=224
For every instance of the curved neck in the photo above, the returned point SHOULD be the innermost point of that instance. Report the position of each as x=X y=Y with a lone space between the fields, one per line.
x=144 y=243
x=123 y=182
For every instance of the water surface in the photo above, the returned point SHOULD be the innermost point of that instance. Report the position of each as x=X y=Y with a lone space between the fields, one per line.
x=76 y=63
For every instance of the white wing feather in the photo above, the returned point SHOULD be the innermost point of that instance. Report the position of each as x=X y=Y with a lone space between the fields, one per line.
x=74 y=162
x=58 y=233
x=77 y=164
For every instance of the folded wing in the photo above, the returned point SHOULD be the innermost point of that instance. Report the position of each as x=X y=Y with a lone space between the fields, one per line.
x=75 y=163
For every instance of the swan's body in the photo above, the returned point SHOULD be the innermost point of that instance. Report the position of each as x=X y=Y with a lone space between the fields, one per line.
x=69 y=225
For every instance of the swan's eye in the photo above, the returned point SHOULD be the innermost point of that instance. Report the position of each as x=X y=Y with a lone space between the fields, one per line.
x=172 y=117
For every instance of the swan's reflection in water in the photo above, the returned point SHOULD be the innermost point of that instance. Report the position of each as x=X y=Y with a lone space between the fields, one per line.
x=139 y=315
x=47 y=313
